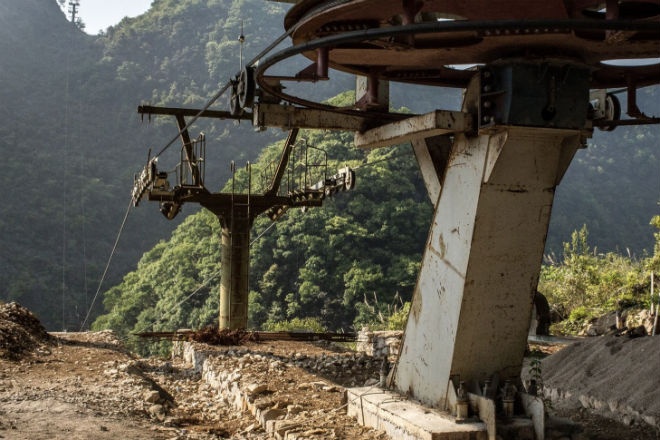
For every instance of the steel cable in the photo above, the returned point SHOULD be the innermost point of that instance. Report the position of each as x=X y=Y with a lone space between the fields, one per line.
x=105 y=271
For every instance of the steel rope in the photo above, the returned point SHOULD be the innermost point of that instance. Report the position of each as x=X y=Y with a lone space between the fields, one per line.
x=105 y=272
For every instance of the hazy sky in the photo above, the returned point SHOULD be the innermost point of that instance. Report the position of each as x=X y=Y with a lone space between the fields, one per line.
x=99 y=14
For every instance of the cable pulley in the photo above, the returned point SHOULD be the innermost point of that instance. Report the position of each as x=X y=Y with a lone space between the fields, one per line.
x=234 y=103
x=246 y=87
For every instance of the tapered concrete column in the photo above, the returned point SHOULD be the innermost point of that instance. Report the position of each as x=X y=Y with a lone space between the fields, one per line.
x=235 y=273
x=473 y=300
x=432 y=155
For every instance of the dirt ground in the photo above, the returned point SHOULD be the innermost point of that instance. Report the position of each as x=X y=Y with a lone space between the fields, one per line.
x=62 y=392
x=86 y=386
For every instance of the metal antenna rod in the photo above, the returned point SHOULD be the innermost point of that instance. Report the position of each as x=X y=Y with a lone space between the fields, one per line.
x=241 y=39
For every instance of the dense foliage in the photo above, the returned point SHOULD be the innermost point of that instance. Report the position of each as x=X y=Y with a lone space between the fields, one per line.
x=584 y=283
x=72 y=141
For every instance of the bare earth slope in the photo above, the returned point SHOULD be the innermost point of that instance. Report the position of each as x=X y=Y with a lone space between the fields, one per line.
x=615 y=376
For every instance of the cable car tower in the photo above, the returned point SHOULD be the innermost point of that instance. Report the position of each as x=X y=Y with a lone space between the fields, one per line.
x=539 y=82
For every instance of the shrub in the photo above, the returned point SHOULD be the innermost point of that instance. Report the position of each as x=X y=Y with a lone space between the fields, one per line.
x=584 y=283
x=397 y=320
x=579 y=314
x=311 y=325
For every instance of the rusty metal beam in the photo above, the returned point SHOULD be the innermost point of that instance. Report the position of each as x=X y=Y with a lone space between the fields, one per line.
x=261 y=336
x=277 y=115
x=284 y=160
x=177 y=111
x=288 y=116
x=187 y=146
x=435 y=123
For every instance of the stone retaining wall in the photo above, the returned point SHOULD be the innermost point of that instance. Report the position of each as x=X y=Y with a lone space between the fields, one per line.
x=286 y=416
x=379 y=343
x=226 y=384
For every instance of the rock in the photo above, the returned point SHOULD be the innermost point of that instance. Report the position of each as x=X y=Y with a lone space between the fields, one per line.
x=292 y=410
x=643 y=318
x=585 y=401
x=276 y=365
x=653 y=421
x=151 y=397
x=318 y=385
x=613 y=405
x=370 y=382
x=171 y=421
x=255 y=389
x=270 y=414
x=637 y=332
x=157 y=411
x=603 y=324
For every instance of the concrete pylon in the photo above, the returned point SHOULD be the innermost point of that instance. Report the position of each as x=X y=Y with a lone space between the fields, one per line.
x=235 y=273
x=473 y=300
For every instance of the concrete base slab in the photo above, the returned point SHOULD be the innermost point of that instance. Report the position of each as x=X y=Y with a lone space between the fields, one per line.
x=404 y=419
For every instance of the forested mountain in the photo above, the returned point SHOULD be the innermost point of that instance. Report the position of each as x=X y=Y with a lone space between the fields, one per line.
x=71 y=141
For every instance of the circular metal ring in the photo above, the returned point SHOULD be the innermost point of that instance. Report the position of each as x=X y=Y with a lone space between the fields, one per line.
x=246 y=86
x=428 y=28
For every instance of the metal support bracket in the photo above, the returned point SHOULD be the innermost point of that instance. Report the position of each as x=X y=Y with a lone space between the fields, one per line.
x=288 y=116
x=435 y=123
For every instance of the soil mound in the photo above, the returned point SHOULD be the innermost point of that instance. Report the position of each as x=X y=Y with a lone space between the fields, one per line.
x=20 y=331
x=619 y=375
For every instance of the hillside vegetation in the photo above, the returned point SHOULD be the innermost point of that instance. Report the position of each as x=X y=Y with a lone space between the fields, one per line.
x=72 y=141
x=583 y=284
